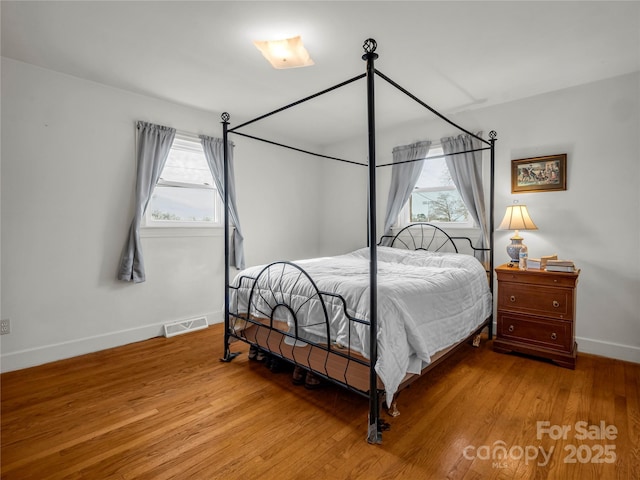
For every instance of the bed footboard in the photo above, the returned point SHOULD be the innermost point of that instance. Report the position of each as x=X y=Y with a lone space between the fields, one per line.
x=269 y=311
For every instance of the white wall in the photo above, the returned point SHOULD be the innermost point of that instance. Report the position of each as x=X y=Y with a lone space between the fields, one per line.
x=68 y=172
x=595 y=222
x=68 y=176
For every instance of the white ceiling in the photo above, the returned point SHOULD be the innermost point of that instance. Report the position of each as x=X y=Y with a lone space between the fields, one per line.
x=453 y=55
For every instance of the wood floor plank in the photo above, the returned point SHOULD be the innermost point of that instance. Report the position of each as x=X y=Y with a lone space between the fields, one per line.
x=169 y=409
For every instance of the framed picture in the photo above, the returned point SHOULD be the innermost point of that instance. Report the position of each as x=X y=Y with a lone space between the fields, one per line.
x=539 y=174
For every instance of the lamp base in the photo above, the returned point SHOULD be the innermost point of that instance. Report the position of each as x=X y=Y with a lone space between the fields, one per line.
x=513 y=249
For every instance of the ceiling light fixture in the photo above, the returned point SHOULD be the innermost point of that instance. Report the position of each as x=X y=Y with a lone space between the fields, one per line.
x=287 y=53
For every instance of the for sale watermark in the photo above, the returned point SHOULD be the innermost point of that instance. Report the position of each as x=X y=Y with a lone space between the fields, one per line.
x=605 y=452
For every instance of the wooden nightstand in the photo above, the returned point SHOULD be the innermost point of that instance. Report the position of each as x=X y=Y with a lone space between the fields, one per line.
x=536 y=314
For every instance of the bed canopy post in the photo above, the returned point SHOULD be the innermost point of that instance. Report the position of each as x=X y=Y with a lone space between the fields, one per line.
x=374 y=431
x=492 y=139
x=228 y=356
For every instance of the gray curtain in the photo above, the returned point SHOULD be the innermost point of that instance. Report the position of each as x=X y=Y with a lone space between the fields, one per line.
x=404 y=177
x=466 y=173
x=154 y=143
x=214 y=152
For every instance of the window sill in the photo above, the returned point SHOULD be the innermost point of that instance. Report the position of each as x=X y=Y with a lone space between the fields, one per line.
x=159 y=232
x=447 y=227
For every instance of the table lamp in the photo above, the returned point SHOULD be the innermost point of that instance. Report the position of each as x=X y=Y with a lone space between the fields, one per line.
x=516 y=218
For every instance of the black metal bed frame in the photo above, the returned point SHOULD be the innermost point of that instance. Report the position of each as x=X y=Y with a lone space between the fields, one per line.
x=265 y=301
x=444 y=240
x=375 y=423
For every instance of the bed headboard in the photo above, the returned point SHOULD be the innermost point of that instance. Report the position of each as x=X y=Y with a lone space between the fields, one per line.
x=422 y=236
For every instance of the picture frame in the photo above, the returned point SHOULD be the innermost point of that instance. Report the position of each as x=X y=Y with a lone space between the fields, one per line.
x=539 y=174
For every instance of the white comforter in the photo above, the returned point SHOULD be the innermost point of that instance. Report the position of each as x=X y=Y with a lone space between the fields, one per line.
x=426 y=302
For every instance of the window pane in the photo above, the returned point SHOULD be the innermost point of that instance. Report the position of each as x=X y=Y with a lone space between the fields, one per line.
x=186 y=163
x=438 y=206
x=185 y=194
x=435 y=172
x=177 y=204
x=435 y=197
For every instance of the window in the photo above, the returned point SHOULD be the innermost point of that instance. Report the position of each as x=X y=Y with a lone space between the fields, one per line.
x=185 y=195
x=435 y=198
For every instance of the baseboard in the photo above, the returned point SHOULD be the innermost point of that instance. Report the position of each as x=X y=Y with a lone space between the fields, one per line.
x=50 y=353
x=32 y=357
x=628 y=353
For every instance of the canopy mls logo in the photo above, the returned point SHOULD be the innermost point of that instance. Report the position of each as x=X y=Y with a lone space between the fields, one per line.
x=500 y=455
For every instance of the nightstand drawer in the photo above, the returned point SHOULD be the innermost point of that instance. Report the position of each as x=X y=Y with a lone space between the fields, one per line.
x=544 y=301
x=538 y=277
x=557 y=335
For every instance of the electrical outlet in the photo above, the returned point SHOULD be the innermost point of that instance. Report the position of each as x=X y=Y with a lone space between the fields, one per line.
x=5 y=326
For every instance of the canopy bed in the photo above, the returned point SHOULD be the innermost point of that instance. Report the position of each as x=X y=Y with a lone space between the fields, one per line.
x=375 y=319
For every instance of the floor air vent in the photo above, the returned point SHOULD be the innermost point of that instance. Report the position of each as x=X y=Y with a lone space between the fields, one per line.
x=185 y=326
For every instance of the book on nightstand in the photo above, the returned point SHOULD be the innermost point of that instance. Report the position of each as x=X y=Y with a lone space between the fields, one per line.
x=533 y=264
x=560 y=266
x=540 y=263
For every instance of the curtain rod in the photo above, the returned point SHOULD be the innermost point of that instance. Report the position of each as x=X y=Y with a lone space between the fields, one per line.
x=190 y=135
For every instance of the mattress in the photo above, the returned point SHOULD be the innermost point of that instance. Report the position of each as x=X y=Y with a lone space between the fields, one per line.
x=427 y=301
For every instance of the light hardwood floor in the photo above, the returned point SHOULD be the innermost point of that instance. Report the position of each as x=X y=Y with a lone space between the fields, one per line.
x=168 y=408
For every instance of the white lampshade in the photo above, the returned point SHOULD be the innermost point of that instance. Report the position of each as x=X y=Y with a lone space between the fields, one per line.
x=517 y=218
x=286 y=53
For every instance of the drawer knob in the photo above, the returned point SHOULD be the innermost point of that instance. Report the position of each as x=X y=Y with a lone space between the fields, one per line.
x=554 y=336
x=512 y=298
x=512 y=328
x=556 y=303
